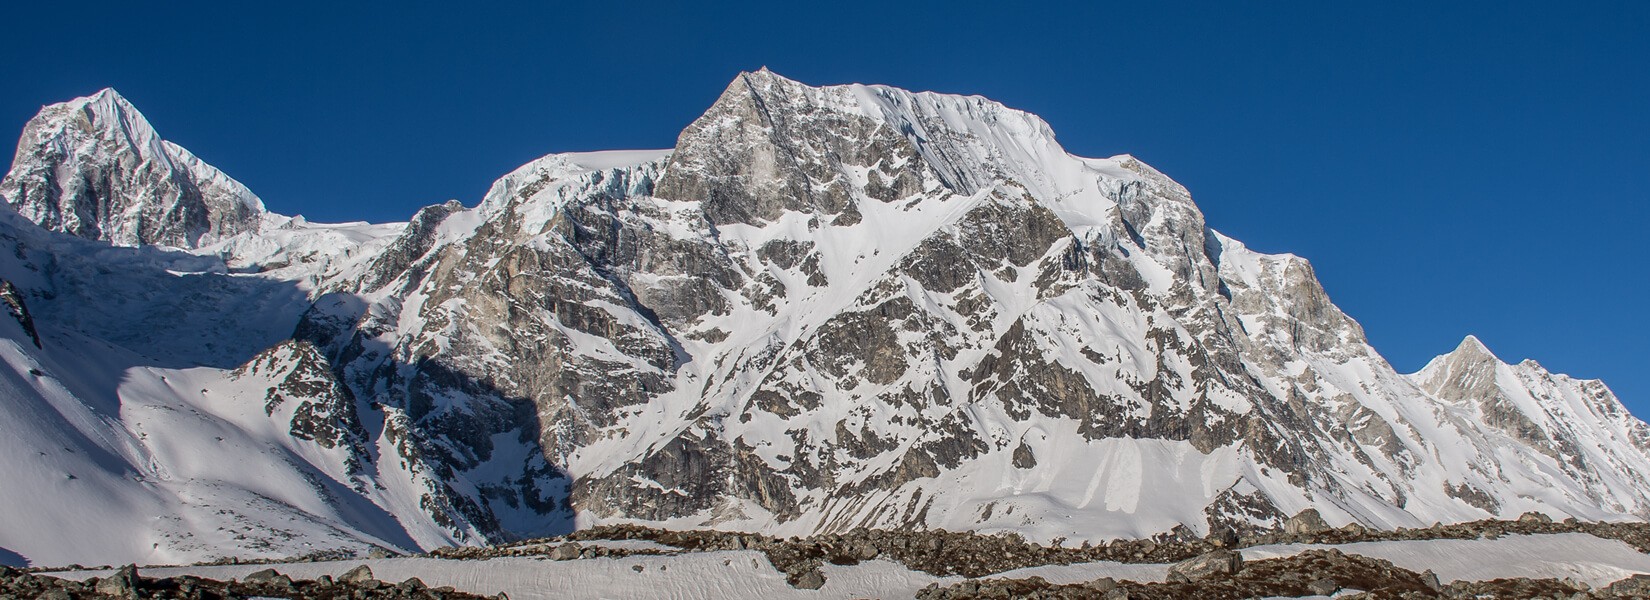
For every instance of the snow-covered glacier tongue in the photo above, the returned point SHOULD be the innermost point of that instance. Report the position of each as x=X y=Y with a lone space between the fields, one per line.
x=825 y=308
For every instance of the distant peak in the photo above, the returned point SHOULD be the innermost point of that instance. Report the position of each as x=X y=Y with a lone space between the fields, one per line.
x=159 y=192
x=107 y=93
x=764 y=78
x=107 y=111
x=1471 y=348
x=107 y=97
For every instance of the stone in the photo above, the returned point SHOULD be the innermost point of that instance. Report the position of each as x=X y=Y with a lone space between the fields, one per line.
x=1534 y=517
x=267 y=576
x=865 y=550
x=811 y=579
x=122 y=584
x=1222 y=535
x=1103 y=584
x=1637 y=586
x=1306 y=522
x=1219 y=563
x=357 y=575
x=1430 y=579
x=567 y=551
x=1323 y=587
x=380 y=553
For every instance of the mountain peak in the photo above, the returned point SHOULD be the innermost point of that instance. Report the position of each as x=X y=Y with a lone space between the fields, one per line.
x=96 y=168
x=109 y=96
x=1472 y=347
x=1470 y=359
x=105 y=116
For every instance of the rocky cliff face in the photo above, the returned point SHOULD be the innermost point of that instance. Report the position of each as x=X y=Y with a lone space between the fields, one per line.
x=850 y=306
x=93 y=167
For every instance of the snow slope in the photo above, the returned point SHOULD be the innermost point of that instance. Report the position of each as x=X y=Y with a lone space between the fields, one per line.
x=120 y=450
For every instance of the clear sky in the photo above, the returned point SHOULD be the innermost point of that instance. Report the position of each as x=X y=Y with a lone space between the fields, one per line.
x=1480 y=167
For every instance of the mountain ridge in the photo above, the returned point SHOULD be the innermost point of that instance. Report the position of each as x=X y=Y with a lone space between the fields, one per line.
x=825 y=308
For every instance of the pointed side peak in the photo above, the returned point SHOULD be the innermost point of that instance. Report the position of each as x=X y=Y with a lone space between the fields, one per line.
x=762 y=80
x=107 y=94
x=107 y=98
x=105 y=114
x=1470 y=356
x=1471 y=346
x=156 y=192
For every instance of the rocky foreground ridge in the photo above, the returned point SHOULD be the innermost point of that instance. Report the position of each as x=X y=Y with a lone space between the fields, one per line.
x=1206 y=567
x=129 y=583
x=825 y=309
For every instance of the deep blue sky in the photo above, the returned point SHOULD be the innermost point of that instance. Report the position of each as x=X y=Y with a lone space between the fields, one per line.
x=1477 y=168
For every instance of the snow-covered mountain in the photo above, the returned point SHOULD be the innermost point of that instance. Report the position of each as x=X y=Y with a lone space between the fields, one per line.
x=93 y=167
x=825 y=308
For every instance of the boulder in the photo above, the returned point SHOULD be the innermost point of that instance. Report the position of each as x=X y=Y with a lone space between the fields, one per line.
x=122 y=584
x=358 y=575
x=1637 y=586
x=1219 y=563
x=811 y=579
x=1534 y=517
x=1430 y=579
x=567 y=551
x=865 y=550
x=268 y=577
x=1305 y=522
x=1222 y=535
x=1323 y=587
x=1103 y=584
